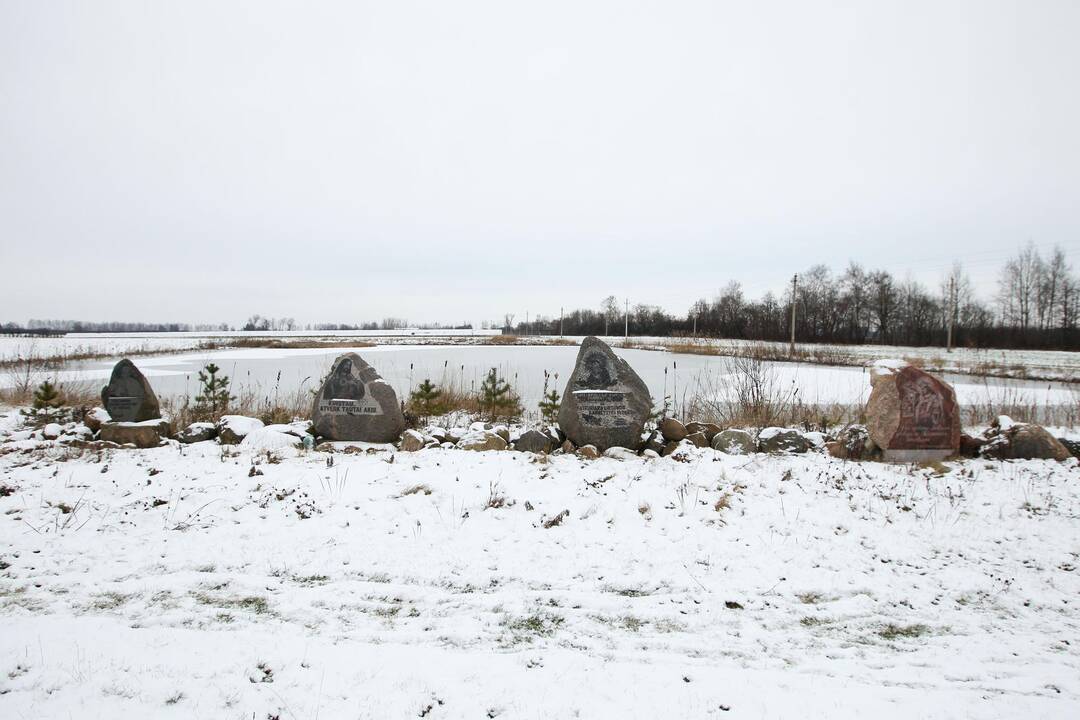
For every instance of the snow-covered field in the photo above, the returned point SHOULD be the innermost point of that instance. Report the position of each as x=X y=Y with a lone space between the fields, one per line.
x=174 y=583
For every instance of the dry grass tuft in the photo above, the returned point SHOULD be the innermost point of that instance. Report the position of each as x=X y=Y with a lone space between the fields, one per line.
x=557 y=520
x=416 y=489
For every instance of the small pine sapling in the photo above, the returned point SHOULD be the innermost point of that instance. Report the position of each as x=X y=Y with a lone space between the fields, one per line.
x=549 y=403
x=46 y=399
x=497 y=397
x=214 y=398
x=425 y=399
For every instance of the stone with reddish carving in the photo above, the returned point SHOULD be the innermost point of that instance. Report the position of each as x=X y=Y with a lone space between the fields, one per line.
x=911 y=415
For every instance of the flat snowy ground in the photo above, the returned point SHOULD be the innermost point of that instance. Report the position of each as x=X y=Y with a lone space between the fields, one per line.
x=160 y=583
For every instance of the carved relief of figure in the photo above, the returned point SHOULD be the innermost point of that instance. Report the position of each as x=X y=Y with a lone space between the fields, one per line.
x=342 y=385
x=924 y=404
x=597 y=373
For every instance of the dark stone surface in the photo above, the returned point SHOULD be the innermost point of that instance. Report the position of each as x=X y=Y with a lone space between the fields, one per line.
x=355 y=403
x=197 y=432
x=784 y=441
x=853 y=443
x=710 y=429
x=1023 y=441
x=128 y=397
x=971 y=446
x=141 y=435
x=672 y=430
x=534 y=441
x=699 y=439
x=735 y=442
x=605 y=403
x=1071 y=445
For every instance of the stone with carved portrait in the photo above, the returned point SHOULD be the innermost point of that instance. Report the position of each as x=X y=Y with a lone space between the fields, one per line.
x=605 y=403
x=355 y=403
x=911 y=415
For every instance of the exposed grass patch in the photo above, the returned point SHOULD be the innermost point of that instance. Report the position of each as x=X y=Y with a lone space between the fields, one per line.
x=810 y=598
x=416 y=489
x=293 y=343
x=250 y=603
x=892 y=632
x=311 y=580
x=108 y=600
x=539 y=624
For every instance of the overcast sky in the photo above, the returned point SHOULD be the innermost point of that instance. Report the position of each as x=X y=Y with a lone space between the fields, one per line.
x=340 y=161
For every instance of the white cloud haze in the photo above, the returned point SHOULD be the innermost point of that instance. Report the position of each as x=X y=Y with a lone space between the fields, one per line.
x=342 y=161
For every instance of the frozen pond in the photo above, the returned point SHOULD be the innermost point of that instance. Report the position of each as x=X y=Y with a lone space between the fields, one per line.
x=262 y=372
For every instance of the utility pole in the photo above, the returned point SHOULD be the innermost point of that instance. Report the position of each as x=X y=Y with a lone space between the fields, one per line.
x=526 y=323
x=626 y=330
x=794 y=291
x=560 y=322
x=695 y=324
x=951 y=305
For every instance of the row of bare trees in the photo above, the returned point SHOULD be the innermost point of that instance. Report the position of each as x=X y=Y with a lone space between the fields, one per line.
x=1037 y=306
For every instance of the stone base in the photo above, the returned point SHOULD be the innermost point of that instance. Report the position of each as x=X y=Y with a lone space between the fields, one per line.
x=917 y=456
x=146 y=434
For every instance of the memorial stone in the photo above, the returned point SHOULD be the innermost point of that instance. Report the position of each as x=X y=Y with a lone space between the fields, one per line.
x=128 y=397
x=911 y=415
x=605 y=403
x=355 y=403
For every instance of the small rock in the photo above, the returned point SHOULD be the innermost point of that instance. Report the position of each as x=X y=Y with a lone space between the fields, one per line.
x=672 y=430
x=589 y=452
x=52 y=431
x=620 y=453
x=735 y=442
x=782 y=440
x=854 y=443
x=142 y=435
x=412 y=441
x=269 y=438
x=1022 y=441
x=710 y=429
x=970 y=446
x=1073 y=446
x=481 y=440
x=197 y=432
x=698 y=439
x=534 y=441
x=232 y=429
x=95 y=418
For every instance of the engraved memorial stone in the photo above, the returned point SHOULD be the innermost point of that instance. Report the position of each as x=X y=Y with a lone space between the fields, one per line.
x=128 y=397
x=605 y=403
x=355 y=403
x=911 y=415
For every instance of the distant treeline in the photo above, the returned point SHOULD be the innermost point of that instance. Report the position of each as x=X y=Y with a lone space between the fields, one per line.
x=1037 y=306
x=82 y=326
